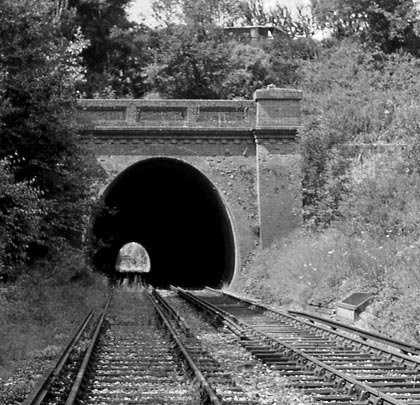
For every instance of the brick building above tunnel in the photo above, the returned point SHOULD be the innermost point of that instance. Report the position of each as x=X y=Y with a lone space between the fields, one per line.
x=253 y=33
x=199 y=183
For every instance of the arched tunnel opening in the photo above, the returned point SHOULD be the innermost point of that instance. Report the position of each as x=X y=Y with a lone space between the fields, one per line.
x=176 y=214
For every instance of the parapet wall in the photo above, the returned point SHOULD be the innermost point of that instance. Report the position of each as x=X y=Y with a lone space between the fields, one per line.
x=260 y=134
x=169 y=113
x=271 y=108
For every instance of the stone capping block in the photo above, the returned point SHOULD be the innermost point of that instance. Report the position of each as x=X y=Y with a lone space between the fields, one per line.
x=276 y=110
x=278 y=94
x=168 y=113
x=278 y=107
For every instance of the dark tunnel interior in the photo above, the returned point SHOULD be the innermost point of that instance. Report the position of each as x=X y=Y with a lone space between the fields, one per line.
x=176 y=214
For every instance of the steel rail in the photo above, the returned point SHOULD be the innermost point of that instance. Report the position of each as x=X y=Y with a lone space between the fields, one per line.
x=82 y=370
x=41 y=389
x=211 y=394
x=232 y=326
x=366 y=392
x=182 y=324
x=406 y=348
x=401 y=357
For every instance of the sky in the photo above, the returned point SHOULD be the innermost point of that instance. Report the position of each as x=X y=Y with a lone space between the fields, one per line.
x=141 y=9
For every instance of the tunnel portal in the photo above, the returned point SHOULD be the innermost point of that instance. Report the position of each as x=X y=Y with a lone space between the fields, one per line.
x=176 y=213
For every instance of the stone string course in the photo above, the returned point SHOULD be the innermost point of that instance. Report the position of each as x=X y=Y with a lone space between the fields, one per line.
x=248 y=150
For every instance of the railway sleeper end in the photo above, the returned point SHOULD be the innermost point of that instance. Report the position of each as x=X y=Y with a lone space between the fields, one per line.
x=363 y=396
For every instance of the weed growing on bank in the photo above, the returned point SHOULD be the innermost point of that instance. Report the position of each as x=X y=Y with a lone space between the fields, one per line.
x=324 y=267
x=312 y=268
x=38 y=312
x=362 y=235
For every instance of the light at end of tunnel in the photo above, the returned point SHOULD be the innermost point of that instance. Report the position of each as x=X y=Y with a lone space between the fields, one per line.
x=133 y=257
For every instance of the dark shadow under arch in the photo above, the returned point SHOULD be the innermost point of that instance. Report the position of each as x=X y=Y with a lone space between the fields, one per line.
x=175 y=212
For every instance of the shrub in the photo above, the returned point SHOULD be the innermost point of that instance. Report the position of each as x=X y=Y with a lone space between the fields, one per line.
x=383 y=199
x=353 y=96
x=21 y=211
x=43 y=306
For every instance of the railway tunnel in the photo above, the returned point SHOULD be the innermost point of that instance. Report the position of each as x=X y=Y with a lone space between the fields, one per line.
x=176 y=214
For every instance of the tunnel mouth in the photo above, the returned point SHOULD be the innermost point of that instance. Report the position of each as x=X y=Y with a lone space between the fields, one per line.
x=176 y=214
x=133 y=257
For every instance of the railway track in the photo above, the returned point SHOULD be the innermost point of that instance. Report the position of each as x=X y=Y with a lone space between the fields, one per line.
x=321 y=360
x=137 y=351
x=55 y=384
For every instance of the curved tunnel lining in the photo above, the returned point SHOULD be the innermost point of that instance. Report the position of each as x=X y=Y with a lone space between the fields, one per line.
x=176 y=213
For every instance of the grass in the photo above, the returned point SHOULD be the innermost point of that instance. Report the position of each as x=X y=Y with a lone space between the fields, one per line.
x=322 y=268
x=37 y=314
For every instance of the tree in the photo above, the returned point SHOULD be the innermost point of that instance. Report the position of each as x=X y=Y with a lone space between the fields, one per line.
x=254 y=67
x=21 y=213
x=127 y=59
x=195 y=59
x=255 y=13
x=188 y=64
x=198 y=13
x=117 y=50
x=191 y=57
x=40 y=68
x=386 y=24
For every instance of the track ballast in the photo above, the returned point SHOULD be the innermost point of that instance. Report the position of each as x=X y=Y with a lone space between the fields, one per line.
x=329 y=365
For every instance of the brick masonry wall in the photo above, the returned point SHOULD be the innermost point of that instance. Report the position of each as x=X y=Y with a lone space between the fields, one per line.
x=168 y=113
x=233 y=176
x=278 y=162
x=247 y=149
x=280 y=190
x=278 y=108
x=171 y=143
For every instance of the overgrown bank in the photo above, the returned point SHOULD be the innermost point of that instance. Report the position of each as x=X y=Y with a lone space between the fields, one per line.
x=361 y=192
x=319 y=269
x=37 y=315
x=362 y=226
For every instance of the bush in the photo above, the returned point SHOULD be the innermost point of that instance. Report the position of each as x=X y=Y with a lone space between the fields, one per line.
x=353 y=96
x=383 y=199
x=43 y=306
x=21 y=212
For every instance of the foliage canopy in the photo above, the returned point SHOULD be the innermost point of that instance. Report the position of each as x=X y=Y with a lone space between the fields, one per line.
x=389 y=25
x=40 y=67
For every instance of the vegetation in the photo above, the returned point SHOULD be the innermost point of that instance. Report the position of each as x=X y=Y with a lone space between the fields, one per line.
x=42 y=162
x=46 y=188
x=360 y=203
x=38 y=313
x=312 y=270
x=361 y=86
x=387 y=25
x=360 y=177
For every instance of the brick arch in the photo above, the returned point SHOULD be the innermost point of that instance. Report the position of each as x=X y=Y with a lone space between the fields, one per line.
x=177 y=214
x=247 y=149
